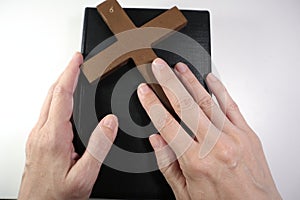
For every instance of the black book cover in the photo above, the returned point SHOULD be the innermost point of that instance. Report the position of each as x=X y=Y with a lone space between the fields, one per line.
x=122 y=177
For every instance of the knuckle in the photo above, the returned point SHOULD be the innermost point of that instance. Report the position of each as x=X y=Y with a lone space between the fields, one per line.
x=59 y=91
x=169 y=122
x=149 y=100
x=206 y=103
x=203 y=167
x=192 y=80
x=184 y=103
x=228 y=154
x=176 y=104
x=232 y=107
x=167 y=81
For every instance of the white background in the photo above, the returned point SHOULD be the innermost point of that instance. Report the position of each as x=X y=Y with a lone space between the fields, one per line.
x=255 y=46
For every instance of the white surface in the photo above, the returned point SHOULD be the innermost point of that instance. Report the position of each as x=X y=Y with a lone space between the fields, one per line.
x=255 y=46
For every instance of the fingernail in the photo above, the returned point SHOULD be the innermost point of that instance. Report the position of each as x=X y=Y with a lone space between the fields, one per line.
x=110 y=122
x=159 y=64
x=155 y=141
x=212 y=77
x=180 y=67
x=143 y=88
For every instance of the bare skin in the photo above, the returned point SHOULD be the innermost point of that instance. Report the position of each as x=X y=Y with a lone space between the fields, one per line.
x=235 y=168
x=53 y=170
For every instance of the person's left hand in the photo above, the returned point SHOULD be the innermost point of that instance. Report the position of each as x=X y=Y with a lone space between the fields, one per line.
x=52 y=169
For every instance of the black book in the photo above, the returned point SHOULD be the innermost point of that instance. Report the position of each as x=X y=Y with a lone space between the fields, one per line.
x=130 y=171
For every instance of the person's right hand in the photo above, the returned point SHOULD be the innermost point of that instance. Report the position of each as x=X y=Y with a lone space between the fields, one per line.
x=225 y=160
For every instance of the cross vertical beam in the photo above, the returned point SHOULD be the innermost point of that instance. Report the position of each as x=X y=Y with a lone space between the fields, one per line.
x=140 y=39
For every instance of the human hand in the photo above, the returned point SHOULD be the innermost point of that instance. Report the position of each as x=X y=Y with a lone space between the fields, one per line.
x=224 y=160
x=53 y=169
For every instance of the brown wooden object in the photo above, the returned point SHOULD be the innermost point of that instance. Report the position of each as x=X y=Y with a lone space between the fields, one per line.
x=129 y=36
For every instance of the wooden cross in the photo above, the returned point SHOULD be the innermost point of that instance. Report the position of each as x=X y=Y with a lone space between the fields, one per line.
x=115 y=55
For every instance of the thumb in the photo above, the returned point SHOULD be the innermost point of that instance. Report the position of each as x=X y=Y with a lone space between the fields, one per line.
x=169 y=166
x=102 y=138
x=86 y=169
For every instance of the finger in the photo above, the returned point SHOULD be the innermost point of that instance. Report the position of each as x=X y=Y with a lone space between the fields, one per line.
x=228 y=106
x=88 y=166
x=202 y=97
x=169 y=166
x=62 y=101
x=182 y=102
x=45 y=108
x=102 y=138
x=169 y=128
x=46 y=105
